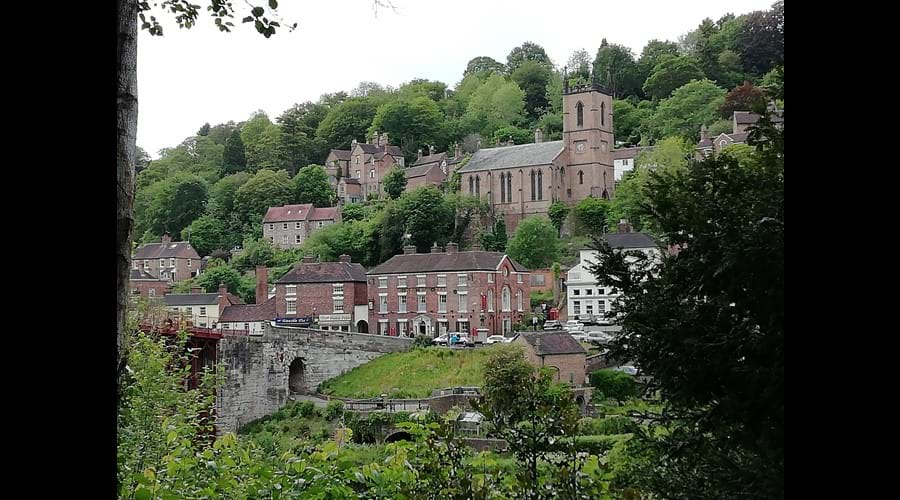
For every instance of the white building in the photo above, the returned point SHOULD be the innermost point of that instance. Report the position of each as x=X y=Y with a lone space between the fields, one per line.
x=623 y=160
x=584 y=294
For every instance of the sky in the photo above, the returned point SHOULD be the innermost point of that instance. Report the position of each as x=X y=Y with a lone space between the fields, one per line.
x=189 y=77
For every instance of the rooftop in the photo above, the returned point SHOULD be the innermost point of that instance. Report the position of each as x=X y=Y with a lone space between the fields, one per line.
x=325 y=272
x=170 y=249
x=551 y=343
x=243 y=313
x=456 y=261
x=630 y=240
x=192 y=299
x=522 y=155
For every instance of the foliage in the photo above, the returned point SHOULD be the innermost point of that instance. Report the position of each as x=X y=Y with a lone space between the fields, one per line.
x=528 y=51
x=532 y=77
x=609 y=425
x=414 y=122
x=495 y=240
x=170 y=205
x=669 y=154
x=265 y=189
x=334 y=409
x=592 y=215
x=426 y=216
x=614 y=384
x=262 y=143
x=627 y=120
x=535 y=244
x=483 y=64
x=688 y=108
x=356 y=238
x=512 y=134
x=205 y=234
x=395 y=182
x=496 y=103
x=233 y=156
x=720 y=127
x=354 y=212
x=311 y=186
x=669 y=74
x=210 y=279
x=761 y=39
x=742 y=98
x=346 y=121
x=299 y=144
x=720 y=300
x=465 y=209
x=579 y=64
x=615 y=68
x=558 y=212
x=652 y=54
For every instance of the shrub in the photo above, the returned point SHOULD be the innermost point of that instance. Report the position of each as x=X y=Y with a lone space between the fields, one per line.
x=598 y=445
x=421 y=341
x=616 y=424
x=306 y=409
x=614 y=384
x=334 y=409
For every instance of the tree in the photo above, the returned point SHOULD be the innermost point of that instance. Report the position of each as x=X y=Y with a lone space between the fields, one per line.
x=483 y=64
x=346 y=121
x=169 y=205
x=720 y=299
x=465 y=208
x=532 y=77
x=204 y=130
x=614 y=67
x=670 y=154
x=298 y=134
x=579 y=64
x=354 y=211
x=311 y=186
x=233 y=157
x=558 y=212
x=412 y=122
x=690 y=107
x=495 y=240
x=265 y=189
x=653 y=53
x=535 y=244
x=513 y=134
x=528 y=51
x=761 y=39
x=627 y=121
x=495 y=104
x=210 y=279
x=592 y=215
x=395 y=182
x=262 y=143
x=742 y=98
x=205 y=234
x=426 y=216
x=670 y=74
x=222 y=194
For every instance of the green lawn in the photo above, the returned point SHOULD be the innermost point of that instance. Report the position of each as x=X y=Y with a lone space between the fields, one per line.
x=412 y=374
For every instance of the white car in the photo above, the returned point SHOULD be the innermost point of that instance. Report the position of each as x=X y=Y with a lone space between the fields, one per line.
x=496 y=339
x=579 y=335
x=626 y=369
x=441 y=339
x=599 y=337
x=573 y=324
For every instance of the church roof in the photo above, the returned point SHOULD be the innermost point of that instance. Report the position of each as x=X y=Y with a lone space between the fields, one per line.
x=522 y=155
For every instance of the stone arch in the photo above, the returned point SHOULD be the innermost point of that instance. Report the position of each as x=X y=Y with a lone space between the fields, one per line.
x=579 y=400
x=297 y=376
x=398 y=436
x=362 y=326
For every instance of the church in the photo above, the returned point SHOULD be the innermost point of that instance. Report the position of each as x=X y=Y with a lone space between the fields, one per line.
x=523 y=180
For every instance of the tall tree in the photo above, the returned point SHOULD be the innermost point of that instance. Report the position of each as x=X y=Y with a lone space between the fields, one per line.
x=395 y=182
x=495 y=104
x=651 y=56
x=528 y=51
x=204 y=130
x=627 y=120
x=558 y=212
x=688 y=108
x=615 y=68
x=265 y=189
x=483 y=64
x=532 y=77
x=579 y=64
x=535 y=244
x=592 y=215
x=205 y=234
x=742 y=98
x=669 y=74
x=426 y=216
x=233 y=157
x=311 y=186
x=761 y=39
x=413 y=123
x=496 y=239
x=346 y=121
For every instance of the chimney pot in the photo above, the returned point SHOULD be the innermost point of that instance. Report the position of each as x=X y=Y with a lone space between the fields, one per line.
x=476 y=246
x=430 y=150
x=196 y=289
x=420 y=152
x=458 y=152
x=375 y=139
x=308 y=259
x=452 y=247
x=435 y=248
x=624 y=226
x=409 y=249
x=538 y=135
x=344 y=258
x=166 y=239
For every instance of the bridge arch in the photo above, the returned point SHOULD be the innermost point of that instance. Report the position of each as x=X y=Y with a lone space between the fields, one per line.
x=398 y=436
x=297 y=376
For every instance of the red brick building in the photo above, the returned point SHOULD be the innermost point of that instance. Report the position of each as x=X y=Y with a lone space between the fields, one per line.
x=556 y=350
x=168 y=260
x=290 y=225
x=331 y=295
x=145 y=285
x=441 y=291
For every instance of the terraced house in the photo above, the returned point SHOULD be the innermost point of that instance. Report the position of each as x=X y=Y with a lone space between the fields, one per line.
x=290 y=225
x=447 y=290
x=168 y=260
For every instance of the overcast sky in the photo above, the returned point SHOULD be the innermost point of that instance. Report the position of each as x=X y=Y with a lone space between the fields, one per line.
x=189 y=77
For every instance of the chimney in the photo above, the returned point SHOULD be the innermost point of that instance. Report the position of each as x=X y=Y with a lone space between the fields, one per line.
x=196 y=289
x=384 y=139
x=458 y=152
x=223 y=298
x=420 y=153
x=430 y=150
x=538 y=135
x=704 y=133
x=452 y=247
x=409 y=249
x=344 y=258
x=353 y=144
x=166 y=239
x=309 y=259
x=435 y=248
x=476 y=247
x=624 y=226
x=375 y=139
x=262 y=284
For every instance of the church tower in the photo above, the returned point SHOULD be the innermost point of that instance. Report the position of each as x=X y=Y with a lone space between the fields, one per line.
x=588 y=141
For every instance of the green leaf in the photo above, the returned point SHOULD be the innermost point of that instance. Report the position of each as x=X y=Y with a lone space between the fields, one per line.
x=273 y=4
x=257 y=11
x=142 y=494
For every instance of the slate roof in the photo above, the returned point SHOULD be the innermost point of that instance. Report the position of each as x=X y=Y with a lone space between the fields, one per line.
x=551 y=343
x=629 y=153
x=325 y=272
x=419 y=171
x=749 y=118
x=372 y=149
x=523 y=155
x=288 y=213
x=140 y=274
x=431 y=159
x=431 y=262
x=341 y=154
x=245 y=313
x=191 y=299
x=177 y=249
x=324 y=213
x=630 y=240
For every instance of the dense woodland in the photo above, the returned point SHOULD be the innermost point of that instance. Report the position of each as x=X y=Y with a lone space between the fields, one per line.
x=214 y=187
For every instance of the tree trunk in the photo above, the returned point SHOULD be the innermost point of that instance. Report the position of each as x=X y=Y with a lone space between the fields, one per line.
x=126 y=133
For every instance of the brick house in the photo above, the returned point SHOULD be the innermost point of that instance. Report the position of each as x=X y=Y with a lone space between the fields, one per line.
x=249 y=317
x=290 y=225
x=741 y=121
x=523 y=180
x=557 y=350
x=331 y=294
x=367 y=164
x=145 y=285
x=432 y=170
x=201 y=309
x=168 y=260
x=433 y=293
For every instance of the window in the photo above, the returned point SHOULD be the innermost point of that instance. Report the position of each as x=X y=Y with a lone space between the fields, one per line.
x=338 y=304
x=321 y=224
x=580 y=177
x=402 y=302
x=401 y=282
x=506 y=299
x=508 y=188
x=490 y=277
x=442 y=302
x=272 y=239
x=461 y=279
x=297 y=225
x=151 y=292
x=540 y=182
x=190 y=310
x=600 y=291
x=162 y=263
x=284 y=226
x=519 y=300
x=579 y=111
x=502 y=188
x=284 y=238
x=442 y=280
x=602 y=113
x=271 y=227
x=382 y=327
x=462 y=325
x=401 y=328
x=471 y=185
x=490 y=300
x=171 y=262
x=292 y=306
x=382 y=303
x=537 y=280
x=601 y=306
x=576 y=292
x=589 y=308
x=533 y=185
x=463 y=302
x=135 y=264
x=421 y=297
x=507 y=326
x=357 y=172
x=337 y=289
x=202 y=311
x=190 y=261
x=576 y=307
x=146 y=264
x=290 y=290
x=382 y=282
x=477 y=186
x=357 y=162
x=246 y=327
x=588 y=291
x=519 y=278
x=420 y=280
x=298 y=239
x=371 y=173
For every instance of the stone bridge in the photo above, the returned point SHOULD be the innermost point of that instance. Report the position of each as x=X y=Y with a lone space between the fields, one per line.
x=262 y=371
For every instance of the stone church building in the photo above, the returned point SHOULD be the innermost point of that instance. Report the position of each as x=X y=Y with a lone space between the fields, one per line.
x=522 y=180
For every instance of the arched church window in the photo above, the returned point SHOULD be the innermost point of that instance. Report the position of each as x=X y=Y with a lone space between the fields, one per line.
x=477 y=186
x=540 y=185
x=602 y=113
x=471 y=185
x=533 y=191
x=581 y=177
x=579 y=111
x=502 y=188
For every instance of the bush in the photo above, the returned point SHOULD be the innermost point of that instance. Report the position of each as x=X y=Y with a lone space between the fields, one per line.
x=616 y=424
x=614 y=384
x=422 y=341
x=598 y=445
x=334 y=409
x=306 y=409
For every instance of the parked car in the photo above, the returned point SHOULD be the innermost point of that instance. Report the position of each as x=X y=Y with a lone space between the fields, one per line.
x=599 y=338
x=631 y=370
x=496 y=339
x=601 y=319
x=552 y=324
x=587 y=319
x=579 y=335
x=441 y=339
x=573 y=324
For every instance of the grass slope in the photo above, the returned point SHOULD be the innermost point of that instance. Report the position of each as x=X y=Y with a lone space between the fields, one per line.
x=412 y=374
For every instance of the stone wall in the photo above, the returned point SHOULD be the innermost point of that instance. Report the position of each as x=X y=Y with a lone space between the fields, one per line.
x=258 y=369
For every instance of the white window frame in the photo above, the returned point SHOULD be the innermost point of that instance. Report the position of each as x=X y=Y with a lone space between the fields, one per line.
x=337 y=289
x=519 y=300
x=401 y=281
x=519 y=278
x=442 y=302
x=490 y=300
x=290 y=290
x=202 y=310
x=382 y=303
x=382 y=282
x=441 y=280
x=463 y=302
x=146 y=264
x=462 y=280
x=401 y=328
x=162 y=263
x=490 y=277
x=190 y=262
x=421 y=282
x=271 y=227
x=576 y=307
x=506 y=299
x=589 y=307
x=401 y=297
x=291 y=306
x=298 y=239
x=172 y=262
x=338 y=304
x=297 y=225
x=151 y=292
x=284 y=239
x=284 y=226
x=421 y=305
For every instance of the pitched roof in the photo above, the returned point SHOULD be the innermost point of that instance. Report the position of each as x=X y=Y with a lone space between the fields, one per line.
x=191 y=299
x=177 y=249
x=430 y=159
x=325 y=272
x=749 y=118
x=249 y=312
x=372 y=149
x=457 y=261
x=140 y=274
x=341 y=154
x=523 y=155
x=629 y=153
x=324 y=213
x=419 y=171
x=630 y=240
x=549 y=343
x=287 y=213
